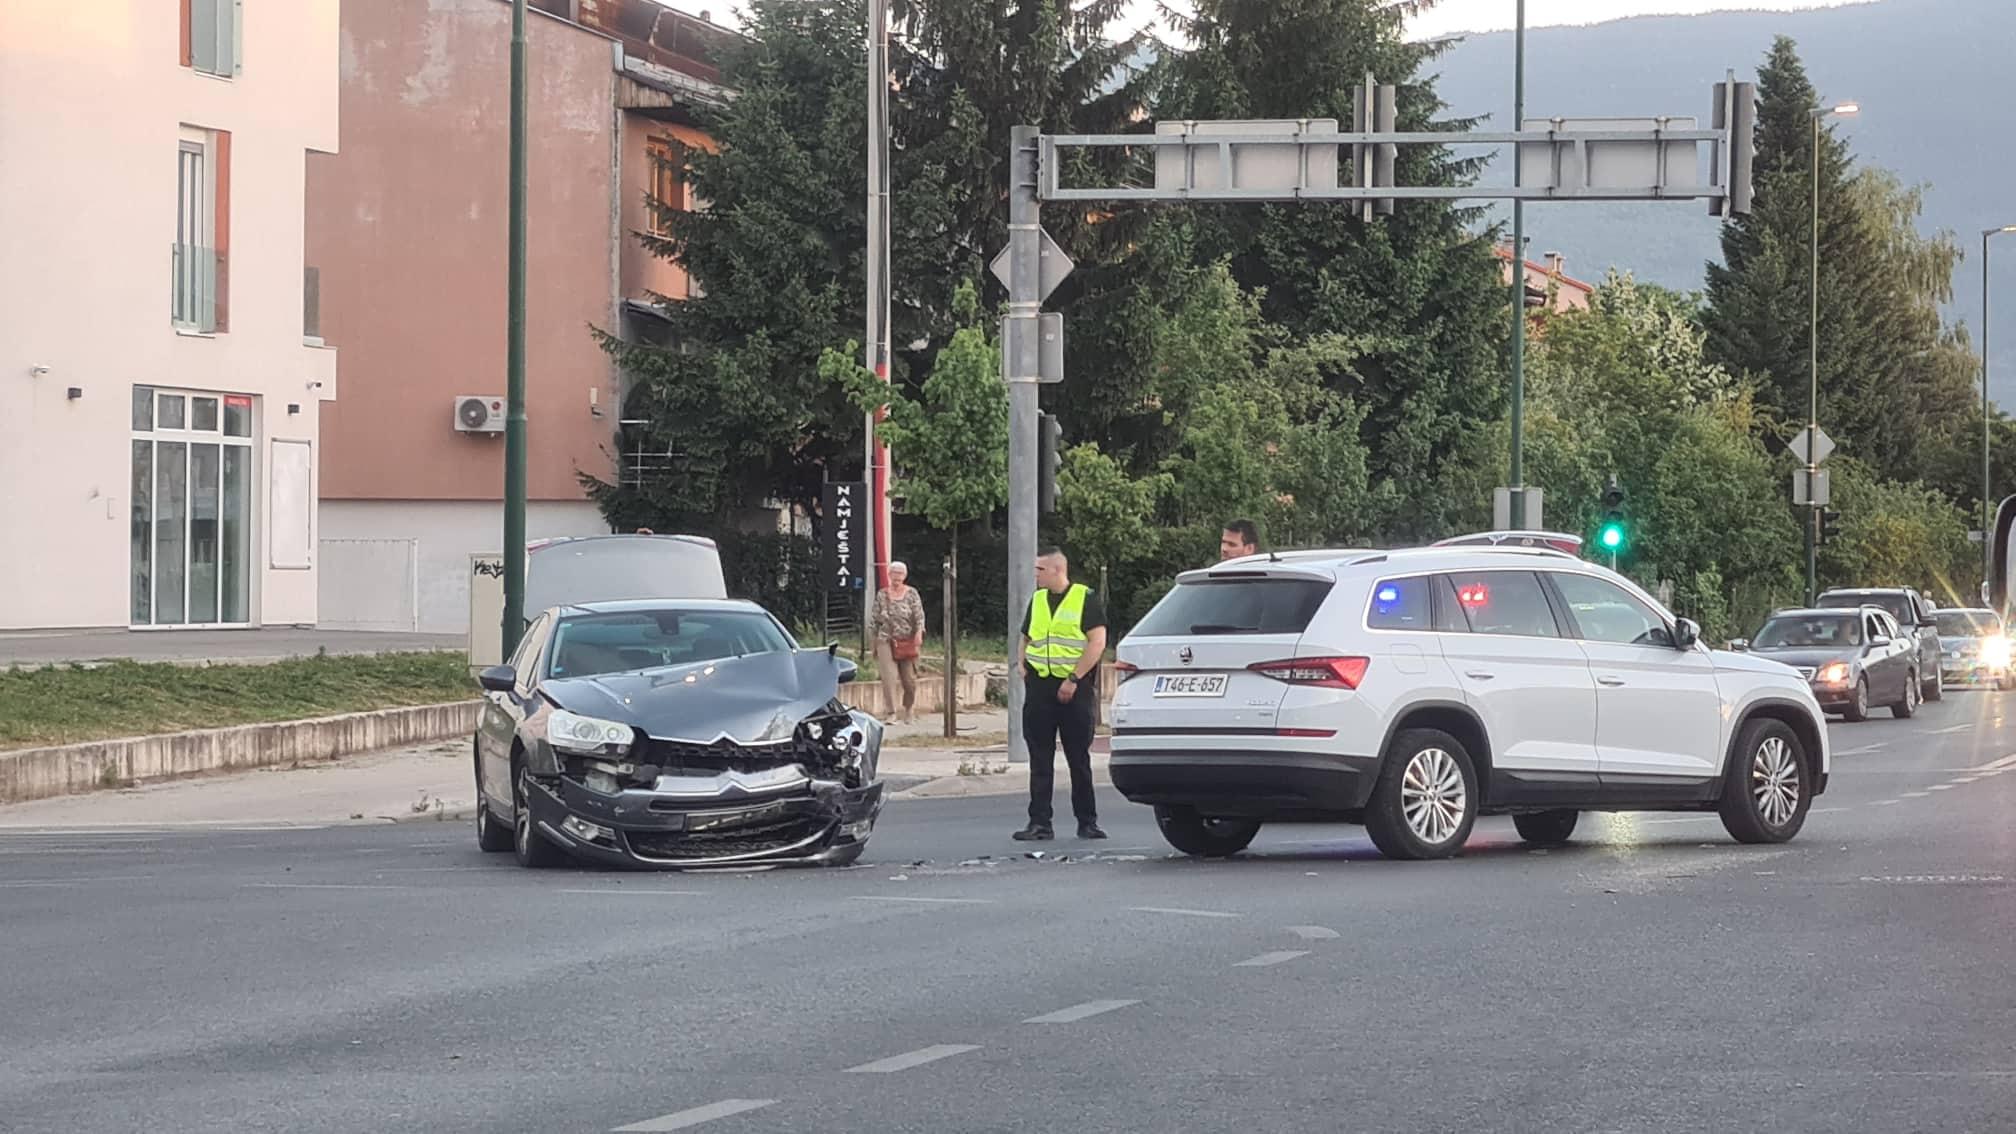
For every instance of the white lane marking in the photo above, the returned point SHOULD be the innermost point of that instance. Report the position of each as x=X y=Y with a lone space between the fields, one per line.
x=1940 y=787
x=1181 y=912
x=726 y=1108
x=1682 y=819
x=2004 y=762
x=1951 y=729
x=925 y=901
x=1825 y=810
x=653 y=893
x=1966 y=779
x=1885 y=802
x=329 y=886
x=62 y=882
x=909 y=1059
x=1864 y=751
x=1266 y=959
x=1083 y=1011
x=1915 y=794
x=1313 y=932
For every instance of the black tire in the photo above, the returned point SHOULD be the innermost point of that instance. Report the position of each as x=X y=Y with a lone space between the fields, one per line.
x=534 y=850
x=1768 y=786
x=1907 y=708
x=1202 y=837
x=492 y=836
x=1858 y=708
x=1546 y=828
x=1935 y=689
x=1409 y=766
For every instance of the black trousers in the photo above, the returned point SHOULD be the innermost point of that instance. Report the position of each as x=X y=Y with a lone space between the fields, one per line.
x=1044 y=721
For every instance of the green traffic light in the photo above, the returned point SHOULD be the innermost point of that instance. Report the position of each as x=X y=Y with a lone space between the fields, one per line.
x=1611 y=536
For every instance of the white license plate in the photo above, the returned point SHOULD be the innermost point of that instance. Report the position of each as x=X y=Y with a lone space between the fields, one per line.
x=1190 y=685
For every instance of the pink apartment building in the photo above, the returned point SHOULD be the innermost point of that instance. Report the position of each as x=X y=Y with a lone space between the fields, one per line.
x=407 y=238
x=160 y=384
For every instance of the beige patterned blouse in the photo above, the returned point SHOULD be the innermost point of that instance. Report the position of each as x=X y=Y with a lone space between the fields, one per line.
x=897 y=619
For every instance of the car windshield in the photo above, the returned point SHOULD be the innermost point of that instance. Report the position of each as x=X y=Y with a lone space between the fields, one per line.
x=1818 y=631
x=593 y=644
x=1898 y=605
x=1236 y=606
x=1967 y=624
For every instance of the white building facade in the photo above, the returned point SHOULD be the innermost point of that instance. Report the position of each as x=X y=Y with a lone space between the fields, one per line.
x=160 y=376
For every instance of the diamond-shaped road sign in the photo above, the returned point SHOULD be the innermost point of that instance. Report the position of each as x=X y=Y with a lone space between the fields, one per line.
x=1053 y=266
x=1821 y=445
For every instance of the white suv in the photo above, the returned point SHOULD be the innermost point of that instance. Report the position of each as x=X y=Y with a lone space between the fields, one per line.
x=1414 y=690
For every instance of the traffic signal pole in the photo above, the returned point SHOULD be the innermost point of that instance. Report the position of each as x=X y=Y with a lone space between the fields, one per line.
x=1518 y=265
x=514 y=353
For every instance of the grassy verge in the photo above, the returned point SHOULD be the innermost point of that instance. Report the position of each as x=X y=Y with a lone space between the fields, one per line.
x=73 y=704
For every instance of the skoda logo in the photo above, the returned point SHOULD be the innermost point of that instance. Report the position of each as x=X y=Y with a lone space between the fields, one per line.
x=1186 y=655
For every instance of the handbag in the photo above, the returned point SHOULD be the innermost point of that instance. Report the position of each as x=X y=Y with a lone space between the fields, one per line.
x=903 y=649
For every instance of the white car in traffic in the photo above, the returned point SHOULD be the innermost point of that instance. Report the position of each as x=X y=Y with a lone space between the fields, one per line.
x=1414 y=690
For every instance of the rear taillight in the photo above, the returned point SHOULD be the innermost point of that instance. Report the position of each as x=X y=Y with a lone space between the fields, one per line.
x=1333 y=673
x=1125 y=670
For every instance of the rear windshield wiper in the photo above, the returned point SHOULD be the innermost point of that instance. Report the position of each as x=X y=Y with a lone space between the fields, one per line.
x=1222 y=628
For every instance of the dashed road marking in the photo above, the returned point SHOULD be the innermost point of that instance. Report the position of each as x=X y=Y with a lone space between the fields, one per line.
x=1083 y=1011
x=649 y=892
x=2004 y=762
x=1313 y=932
x=1181 y=912
x=1940 y=787
x=1951 y=729
x=909 y=1059
x=329 y=886
x=685 y=1119
x=1885 y=802
x=1966 y=779
x=82 y=881
x=1266 y=960
x=925 y=901
x=1916 y=794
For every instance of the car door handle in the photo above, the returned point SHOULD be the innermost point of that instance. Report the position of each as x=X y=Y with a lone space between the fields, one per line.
x=1609 y=680
x=1480 y=675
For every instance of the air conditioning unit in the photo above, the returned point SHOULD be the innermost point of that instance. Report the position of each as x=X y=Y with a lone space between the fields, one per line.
x=478 y=413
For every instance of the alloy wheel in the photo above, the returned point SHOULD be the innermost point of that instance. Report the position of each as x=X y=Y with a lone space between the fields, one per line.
x=1774 y=781
x=1432 y=795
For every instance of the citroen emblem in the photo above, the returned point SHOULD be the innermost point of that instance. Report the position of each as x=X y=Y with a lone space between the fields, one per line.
x=1186 y=655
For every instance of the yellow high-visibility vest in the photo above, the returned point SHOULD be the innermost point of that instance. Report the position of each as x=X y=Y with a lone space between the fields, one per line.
x=1057 y=639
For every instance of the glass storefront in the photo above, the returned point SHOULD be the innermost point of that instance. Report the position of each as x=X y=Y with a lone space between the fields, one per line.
x=192 y=508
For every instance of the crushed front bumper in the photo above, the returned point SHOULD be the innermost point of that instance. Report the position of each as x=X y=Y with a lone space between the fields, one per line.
x=824 y=823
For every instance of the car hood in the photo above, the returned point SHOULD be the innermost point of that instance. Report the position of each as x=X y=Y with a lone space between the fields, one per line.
x=1960 y=645
x=1808 y=656
x=750 y=700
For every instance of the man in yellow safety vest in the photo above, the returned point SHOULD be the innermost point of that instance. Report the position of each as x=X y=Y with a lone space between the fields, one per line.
x=1063 y=638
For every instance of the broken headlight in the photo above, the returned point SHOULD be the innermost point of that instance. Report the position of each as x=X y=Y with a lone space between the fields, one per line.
x=572 y=732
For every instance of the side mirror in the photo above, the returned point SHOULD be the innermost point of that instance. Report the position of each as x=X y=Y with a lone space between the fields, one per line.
x=498 y=679
x=1879 y=640
x=848 y=670
x=1686 y=632
x=1739 y=644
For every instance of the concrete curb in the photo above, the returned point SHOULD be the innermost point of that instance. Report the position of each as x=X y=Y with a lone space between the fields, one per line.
x=42 y=773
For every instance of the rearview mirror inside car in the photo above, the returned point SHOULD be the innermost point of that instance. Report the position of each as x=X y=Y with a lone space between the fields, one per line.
x=498 y=678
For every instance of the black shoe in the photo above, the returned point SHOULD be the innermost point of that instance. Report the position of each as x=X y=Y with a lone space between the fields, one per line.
x=1089 y=829
x=1035 y=833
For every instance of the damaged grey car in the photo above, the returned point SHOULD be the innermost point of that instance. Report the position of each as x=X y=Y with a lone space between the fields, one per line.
x=656 y=734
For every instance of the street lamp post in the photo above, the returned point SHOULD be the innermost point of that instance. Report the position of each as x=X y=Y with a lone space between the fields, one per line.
x=1844 y=110
x=1987 y=513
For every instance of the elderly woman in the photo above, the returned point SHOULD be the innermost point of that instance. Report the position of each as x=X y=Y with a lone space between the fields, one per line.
x=898 y=630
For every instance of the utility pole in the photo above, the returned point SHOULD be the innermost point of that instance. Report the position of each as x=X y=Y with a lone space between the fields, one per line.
x=514 y=354
x=1518 y=265
x=1813 y=363
x=1987 y=514
x=874 y=455
x=1025 y=302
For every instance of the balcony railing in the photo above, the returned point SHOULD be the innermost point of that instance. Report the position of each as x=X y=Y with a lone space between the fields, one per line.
x=197 y=284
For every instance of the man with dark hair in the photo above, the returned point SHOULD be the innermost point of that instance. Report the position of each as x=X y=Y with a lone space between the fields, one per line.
x=1063 y=639
x=1240 y=538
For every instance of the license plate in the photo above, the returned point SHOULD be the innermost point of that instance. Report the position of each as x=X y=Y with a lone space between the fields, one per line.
x=1190 y=685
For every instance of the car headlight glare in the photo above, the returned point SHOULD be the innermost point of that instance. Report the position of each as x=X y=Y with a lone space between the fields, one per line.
x=576 y=733
x=1995 y=651
x=1834 y=673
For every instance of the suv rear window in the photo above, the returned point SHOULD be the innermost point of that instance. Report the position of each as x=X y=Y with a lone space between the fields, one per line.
x=1899 y=605
x=1252 y=605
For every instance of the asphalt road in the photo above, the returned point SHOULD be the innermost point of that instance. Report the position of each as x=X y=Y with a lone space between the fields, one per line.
x=1654 y=977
